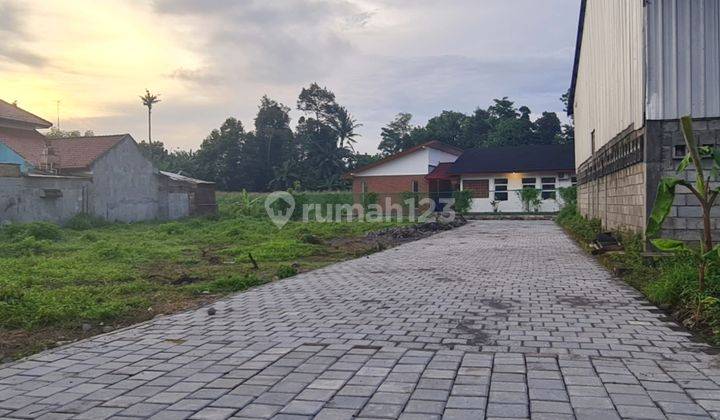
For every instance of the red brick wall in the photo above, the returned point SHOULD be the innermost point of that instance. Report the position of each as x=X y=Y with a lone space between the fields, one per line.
x=389 y=186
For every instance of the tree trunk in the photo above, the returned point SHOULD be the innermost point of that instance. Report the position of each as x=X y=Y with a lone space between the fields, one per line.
x=707 y=229
x=149 y=125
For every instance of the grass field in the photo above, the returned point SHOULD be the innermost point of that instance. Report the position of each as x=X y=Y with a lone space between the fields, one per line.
x=59 y=284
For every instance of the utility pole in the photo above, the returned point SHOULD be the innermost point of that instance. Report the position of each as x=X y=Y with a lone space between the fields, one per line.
x=57 y=107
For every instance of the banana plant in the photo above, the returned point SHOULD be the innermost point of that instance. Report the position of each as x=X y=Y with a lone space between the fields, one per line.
x=706 y=254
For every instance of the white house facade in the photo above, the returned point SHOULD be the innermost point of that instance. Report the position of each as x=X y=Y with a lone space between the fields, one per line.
x=496 y=177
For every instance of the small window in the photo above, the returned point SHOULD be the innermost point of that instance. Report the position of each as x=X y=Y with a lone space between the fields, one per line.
x=679 y=151
x=529 y=182
x=415 y=187
x=363 y=187
x=548 y=188
x=479 y=188
x=573 y=180
x=501 y=185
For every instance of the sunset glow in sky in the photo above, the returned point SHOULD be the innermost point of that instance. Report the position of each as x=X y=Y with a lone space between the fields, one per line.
x=213 y=59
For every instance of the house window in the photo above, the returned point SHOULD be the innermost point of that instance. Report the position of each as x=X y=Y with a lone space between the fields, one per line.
x=415 y=187
x=548 y=188
x=573 y=180
x=480 y=188
x=501 y=185
x=363 y=187
x=528 y=182
x=679 y=151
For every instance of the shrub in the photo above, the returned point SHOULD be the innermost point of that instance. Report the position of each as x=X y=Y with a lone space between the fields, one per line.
x=25 y=247
x=84 y=221
x=36 y=230
x=569 y=196
x=463 y=200
x=285 y=271
x=530 y=198
x=578 y=226
x=233 y=283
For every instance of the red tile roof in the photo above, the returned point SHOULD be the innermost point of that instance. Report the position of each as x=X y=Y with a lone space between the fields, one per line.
x=16 y=114
x=440 y=172
x=81 y=152
x=74 y=153
x=27 y=143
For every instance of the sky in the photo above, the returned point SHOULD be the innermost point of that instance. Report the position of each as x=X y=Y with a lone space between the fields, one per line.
x=213 y=59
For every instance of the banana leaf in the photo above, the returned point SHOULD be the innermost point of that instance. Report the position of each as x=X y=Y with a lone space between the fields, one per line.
x=663 y=203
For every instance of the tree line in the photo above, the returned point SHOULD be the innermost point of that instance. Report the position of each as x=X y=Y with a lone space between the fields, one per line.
x=320 y=149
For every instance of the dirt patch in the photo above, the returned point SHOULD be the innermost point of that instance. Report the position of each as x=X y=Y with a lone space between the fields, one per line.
x=390 y=237
x=20 y=343
x=580 y=301
x=449 y=280
x=479 y=337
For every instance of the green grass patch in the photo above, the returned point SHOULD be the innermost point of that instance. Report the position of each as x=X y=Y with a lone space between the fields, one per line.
x=89 y=271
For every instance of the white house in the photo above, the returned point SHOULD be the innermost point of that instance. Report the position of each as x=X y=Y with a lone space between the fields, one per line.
x=496 y=176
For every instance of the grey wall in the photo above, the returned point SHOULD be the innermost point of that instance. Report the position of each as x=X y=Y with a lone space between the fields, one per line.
x=683 y=59
x=21 y=199
x=125 y=186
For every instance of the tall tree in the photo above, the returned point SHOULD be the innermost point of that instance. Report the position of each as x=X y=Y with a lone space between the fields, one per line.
x=344 y=125
x=317 y=101
x=270 y=145
x=219 y=158
x=548 y=130
x=149 y=100
x=396 y=135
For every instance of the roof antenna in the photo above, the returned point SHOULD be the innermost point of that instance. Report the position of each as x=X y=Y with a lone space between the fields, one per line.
x=57 y=103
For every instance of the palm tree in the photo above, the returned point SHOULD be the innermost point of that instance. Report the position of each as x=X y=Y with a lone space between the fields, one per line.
x=344 y=125
x=148 y=100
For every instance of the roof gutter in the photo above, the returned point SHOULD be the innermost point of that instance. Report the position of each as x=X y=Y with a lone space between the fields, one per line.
x=576 y=64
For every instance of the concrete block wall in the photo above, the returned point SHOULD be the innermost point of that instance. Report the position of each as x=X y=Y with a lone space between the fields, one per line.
x=617 y=199
x=685 y=219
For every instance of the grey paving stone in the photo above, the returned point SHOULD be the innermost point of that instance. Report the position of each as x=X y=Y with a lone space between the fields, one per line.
x=440 y=326
x=335 y=414
x=636 y=412
x=390 y=411
x=507 y=410
x=214 y=413
x=308 y=408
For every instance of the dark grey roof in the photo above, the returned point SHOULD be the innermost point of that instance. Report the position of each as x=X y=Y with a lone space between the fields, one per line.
x=576 y=62
x=555 y=157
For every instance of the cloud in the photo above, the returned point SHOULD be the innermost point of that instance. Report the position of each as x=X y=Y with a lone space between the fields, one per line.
x=201 y=76
x=379 y=57
x=278 y=42
x=14 y=36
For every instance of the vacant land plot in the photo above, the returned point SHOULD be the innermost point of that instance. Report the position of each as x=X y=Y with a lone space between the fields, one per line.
x=58 y=284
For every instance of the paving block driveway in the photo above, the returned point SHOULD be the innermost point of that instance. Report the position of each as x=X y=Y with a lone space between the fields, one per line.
x=495 y=319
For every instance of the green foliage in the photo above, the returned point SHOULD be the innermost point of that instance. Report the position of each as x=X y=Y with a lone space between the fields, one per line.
x=368 y=198
x=241 y=204
x=285 y=271
x=578 y=226
x=530 y=197
x=227 y=284
x=706 y=255
x=501 y=124
x=85 y=221
x=568 y=195
x=463 y=200
x=35 y=230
